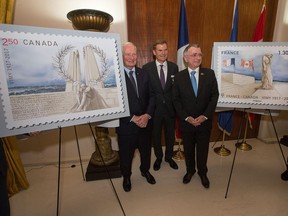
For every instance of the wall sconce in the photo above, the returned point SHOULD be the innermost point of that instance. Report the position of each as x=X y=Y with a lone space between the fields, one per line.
x=90 y=20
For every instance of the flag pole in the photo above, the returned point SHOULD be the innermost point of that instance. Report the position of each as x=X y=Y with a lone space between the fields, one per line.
x=178 y=154
x=183 y=41
x=222 y=151
x=224 y=115
x=244 y=146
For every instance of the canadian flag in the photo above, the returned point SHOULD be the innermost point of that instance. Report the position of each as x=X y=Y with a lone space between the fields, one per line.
x=259 y=30
x=247 y=63
x=258 y=37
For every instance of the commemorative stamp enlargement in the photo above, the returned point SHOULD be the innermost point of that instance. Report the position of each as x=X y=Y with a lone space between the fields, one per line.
x=49 y=76
x=252 y=75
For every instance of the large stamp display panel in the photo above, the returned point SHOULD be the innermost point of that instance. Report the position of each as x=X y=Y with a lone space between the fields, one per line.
x=55 y=78
x=252 y=74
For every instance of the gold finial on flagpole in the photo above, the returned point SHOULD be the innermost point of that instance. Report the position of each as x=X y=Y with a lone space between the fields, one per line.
x=264 y=3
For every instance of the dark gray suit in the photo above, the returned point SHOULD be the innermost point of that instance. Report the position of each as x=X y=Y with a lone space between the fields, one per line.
x=164 y=115
x=187 y=104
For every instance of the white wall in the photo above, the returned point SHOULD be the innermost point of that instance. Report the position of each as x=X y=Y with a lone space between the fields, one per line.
x=52 y=13
x=281 y=26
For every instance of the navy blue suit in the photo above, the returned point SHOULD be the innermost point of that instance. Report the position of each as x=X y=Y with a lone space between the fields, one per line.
x=130 y=136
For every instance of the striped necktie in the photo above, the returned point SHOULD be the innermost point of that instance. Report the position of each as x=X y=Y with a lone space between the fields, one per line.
x=133 y=81
x=162 y=76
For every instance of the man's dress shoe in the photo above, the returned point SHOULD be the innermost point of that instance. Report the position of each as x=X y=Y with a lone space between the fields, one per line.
x=157 y=164
x=187 y=178
x=126 y=184
x=172 y=163
x=284 y=175
x=150 y=179
x=205 y=181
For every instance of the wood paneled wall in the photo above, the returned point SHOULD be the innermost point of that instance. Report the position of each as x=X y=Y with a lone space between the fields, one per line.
x=209 y=21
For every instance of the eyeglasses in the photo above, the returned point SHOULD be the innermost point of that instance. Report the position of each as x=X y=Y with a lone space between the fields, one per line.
x=195 y=54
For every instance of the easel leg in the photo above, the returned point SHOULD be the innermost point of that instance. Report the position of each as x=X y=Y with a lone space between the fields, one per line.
x=107 y=171
x=59 y=166
x=78 y=147
x=234 y=157
x=286 y=163
x=235 y=152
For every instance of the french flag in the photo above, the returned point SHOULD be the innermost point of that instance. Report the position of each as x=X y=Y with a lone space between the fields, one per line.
x=183 y=39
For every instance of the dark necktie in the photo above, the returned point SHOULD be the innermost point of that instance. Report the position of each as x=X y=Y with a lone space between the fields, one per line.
x=133 y=81
x=162 y=76
x=193 y=81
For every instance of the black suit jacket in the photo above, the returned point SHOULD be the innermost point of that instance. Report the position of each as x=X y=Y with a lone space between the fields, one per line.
x=187 y=104
x=163 y=97
x=145 y=103
x=4 y=200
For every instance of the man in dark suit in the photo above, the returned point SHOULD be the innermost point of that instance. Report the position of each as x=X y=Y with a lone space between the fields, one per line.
x=195 y=98
x=164 y=116
x=4 y=198
x=135 y=130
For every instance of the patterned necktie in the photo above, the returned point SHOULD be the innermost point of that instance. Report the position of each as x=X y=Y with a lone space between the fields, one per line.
x=162 y=76
x=133 y=80
x=193 y=81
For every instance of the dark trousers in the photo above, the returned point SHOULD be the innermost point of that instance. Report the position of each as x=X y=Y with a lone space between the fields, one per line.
x=168 y=124
x=4 y=199
x=196 y=147
x=127 y=146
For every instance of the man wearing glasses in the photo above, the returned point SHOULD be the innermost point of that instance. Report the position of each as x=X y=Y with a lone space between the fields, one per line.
x=195 y=96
